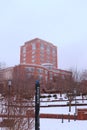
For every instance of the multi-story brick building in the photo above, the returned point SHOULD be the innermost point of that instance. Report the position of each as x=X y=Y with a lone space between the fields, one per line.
x=38 y=52
x=38 y=58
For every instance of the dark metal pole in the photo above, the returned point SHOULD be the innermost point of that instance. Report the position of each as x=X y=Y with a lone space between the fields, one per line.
x=75 y=102
x=37 y=105
x=9 y=86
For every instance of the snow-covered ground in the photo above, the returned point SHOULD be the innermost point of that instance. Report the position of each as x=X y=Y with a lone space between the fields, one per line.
x=59 y=124
x=56 y=124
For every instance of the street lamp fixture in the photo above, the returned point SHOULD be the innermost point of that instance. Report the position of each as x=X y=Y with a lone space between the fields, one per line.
x=9 y=83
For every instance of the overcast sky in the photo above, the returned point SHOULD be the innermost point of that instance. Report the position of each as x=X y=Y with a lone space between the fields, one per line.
x=61 y=22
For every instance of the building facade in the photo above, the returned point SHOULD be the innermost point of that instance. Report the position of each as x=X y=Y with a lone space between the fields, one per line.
x=38 y=52
x=38 y=59
x=6 y=73
x=26 y=71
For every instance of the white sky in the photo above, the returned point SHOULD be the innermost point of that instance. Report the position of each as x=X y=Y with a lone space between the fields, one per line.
x=62 y=22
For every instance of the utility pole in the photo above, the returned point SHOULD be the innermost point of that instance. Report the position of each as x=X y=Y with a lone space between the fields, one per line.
x=37 y=105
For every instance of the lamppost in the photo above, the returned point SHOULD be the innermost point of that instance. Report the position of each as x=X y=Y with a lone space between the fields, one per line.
x=37 y=105
x=10 y=120
x=9 y=86
x=75 y=101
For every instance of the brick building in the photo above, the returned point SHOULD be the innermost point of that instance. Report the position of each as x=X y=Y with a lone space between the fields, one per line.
x=40 y=72
x=38 y=52
x=38 y=58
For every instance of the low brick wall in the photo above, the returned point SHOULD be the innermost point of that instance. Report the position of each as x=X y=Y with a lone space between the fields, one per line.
x=82 y=114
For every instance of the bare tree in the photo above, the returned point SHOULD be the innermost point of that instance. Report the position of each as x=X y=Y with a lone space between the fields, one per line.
x=18 y=106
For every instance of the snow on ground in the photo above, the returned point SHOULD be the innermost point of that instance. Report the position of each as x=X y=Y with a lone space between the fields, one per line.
x=56 y=124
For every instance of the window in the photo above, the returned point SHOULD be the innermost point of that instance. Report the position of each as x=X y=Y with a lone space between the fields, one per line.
x=42 y=52
x=39 y=70
x=46 y=78
x=24 y=49
x=47 y=60
x=24 y=62
x=33 y=52
x=46 y=72
x=55 y=75
x=42 y=46
x=33 y=60
x=51 y=75
x=29 y=75
x=24 y=55
x=33 y=56
x=63 y=77
x=30 y=69
x=48 y=49
x=40 y=77
x=54 y=51
x=41 y=56
x=33 y=46
x=42 y=60
x=24 y=59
